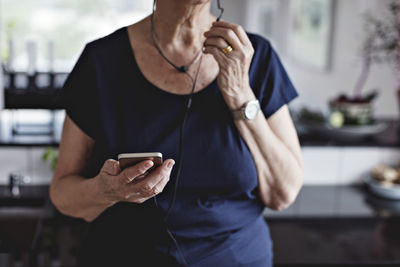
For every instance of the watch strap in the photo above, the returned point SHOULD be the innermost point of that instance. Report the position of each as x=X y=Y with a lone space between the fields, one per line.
x=238 y=114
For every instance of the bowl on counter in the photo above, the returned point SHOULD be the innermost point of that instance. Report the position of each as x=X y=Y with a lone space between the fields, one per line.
x=383 y=189
x=354 y=113
x=354 y=109
x=334 y=126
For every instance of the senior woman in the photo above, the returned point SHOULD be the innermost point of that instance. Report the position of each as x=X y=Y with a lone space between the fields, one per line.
x=128 y=93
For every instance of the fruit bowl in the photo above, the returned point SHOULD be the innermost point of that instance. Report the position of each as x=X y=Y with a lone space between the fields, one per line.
x=384 y=181
x=353 y=113
x=332 y=126
x=389 y=192
x=354 y=110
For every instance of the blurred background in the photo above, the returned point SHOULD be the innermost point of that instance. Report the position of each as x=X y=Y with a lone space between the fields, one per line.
x=343 y=56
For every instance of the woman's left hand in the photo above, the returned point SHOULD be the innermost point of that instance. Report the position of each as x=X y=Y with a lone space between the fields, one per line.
x=233 y=77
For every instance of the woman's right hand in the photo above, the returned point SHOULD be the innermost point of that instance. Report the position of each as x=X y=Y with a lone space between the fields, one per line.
x=133 y=184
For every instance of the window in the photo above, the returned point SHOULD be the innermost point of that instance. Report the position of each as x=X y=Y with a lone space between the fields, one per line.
x=54 y=32
x=59 y=29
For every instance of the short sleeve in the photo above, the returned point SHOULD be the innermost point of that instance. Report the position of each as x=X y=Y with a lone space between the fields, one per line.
x=274 y=85
x=79 y=95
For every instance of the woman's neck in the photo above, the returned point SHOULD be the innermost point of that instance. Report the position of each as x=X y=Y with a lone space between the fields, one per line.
x=181 y=26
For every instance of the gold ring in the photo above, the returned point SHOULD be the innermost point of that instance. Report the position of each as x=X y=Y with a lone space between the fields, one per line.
x=227 y=49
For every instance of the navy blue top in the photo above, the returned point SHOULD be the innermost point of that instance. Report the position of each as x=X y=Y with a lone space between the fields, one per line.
x=217 y=215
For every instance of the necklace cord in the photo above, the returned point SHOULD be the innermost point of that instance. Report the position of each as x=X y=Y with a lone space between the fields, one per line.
x=182 y=68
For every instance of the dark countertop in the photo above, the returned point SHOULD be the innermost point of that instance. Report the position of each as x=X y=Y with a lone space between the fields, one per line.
x=326 y=226
x=30 y=196
x=336 y=242
x=322 y=202
x=337 y=202
x=388 y=138
x=336 y=226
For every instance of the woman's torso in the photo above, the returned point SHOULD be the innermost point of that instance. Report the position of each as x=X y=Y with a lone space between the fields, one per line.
x=217 y=207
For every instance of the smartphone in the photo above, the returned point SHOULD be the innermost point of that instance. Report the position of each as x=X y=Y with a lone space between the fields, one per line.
x=130 y=159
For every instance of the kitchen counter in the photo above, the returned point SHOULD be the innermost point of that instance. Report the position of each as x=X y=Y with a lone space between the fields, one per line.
x=322 y=202
x=336 y=226
x=326 y=226
x=337 y=202
x=390 y=137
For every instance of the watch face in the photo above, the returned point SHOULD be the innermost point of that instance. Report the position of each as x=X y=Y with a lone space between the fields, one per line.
x=251 y=110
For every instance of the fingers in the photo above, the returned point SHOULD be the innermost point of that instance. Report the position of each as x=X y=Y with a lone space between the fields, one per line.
x=228 y=34
x=158 y=188
x=217 y=53
x=111 y=167
x=154 y=183
x=216 y=41
x=239 y=31
x=130 y=173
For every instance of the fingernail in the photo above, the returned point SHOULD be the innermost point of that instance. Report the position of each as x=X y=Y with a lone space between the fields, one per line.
x=149 y=164
x=170 y=164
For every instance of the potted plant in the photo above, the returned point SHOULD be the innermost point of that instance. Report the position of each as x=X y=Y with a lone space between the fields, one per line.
x=50 y=156
x=381 y=45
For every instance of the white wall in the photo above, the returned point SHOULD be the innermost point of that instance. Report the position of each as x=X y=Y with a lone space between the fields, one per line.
x=1 y=70
x=317 y=87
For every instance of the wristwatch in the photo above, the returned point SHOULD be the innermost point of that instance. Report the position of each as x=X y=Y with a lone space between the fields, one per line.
x=248 y=112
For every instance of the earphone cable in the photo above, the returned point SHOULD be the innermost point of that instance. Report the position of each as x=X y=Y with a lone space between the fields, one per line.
x=181 y=139
x=221 y=9
x=189 y=103
x=181 y=132
x=177 y=175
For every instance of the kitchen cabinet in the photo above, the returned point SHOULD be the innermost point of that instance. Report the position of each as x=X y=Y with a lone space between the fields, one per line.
x=333 y=161
x=335 y=165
